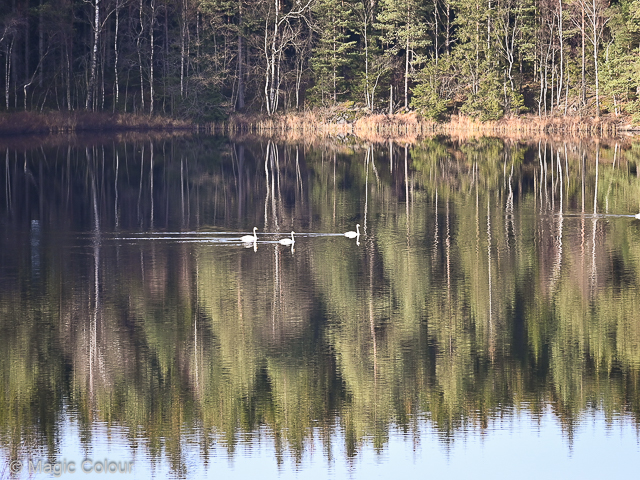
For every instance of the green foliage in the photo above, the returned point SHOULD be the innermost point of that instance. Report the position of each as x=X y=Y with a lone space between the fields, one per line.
x=487 y=103
x=514 y=102
x=334 y=51
x=427 y=102
x=620 y=72
x=403 y=32
x=634 y=109
x=207 y=105
x=381 y=67
x=429 y=96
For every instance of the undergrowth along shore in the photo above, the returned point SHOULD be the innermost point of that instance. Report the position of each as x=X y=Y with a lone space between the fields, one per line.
x=20 y=123
x=316 y=124
x=411 y=125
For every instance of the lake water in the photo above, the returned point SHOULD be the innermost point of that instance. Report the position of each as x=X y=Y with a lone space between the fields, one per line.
x=485 y=323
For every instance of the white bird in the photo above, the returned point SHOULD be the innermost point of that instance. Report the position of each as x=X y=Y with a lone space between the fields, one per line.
x=352 y=234
x=288 y=241
x=250 y=238
x=637 y=215
x=250 y=245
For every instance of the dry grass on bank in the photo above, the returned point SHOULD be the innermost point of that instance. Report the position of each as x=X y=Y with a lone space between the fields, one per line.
x=340 y=121
x=410 y=126
x=20 y=123
x=575 y=126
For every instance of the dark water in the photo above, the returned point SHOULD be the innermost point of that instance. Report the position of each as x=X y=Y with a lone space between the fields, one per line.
x=485 y=324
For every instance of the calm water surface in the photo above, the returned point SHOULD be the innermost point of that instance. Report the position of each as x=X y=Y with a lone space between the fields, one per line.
x=485 y=324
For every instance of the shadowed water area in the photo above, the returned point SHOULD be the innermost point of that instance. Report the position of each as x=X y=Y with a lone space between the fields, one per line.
x=485 y=323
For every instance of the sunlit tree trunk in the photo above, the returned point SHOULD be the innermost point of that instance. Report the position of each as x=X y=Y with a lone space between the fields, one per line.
x=27 y=47
x=595 y=40
x=183 y=41
x=139 y=47
x=116 y=52
x=40 y=42
x=447 y=42
x=436 y=15
x=69 y=73
x=240 y=62
x=7 y=72
x=94 y=54
x=367 y=93
x=278 y=34
x=583 y=88
x=151 y=83
x=406 y=72
x=561 y=39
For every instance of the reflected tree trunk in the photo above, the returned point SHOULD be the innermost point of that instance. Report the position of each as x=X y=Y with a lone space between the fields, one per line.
x=151 y=180
x=115 y=188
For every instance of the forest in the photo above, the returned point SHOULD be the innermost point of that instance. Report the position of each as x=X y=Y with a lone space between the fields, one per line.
x=207 y=59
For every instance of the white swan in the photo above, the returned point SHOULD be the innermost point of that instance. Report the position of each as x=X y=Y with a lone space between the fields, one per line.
x=352 y=234
x=637 y=215
x=250 y=238
x=288 y=241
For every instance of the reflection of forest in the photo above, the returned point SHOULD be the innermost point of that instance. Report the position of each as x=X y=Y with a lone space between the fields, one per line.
x=484 y=283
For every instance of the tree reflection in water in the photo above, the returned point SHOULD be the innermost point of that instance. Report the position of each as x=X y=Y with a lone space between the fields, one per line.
x=483 y=286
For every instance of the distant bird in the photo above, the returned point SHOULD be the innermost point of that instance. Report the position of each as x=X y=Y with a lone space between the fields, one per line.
x=250 y=238
x=288 y=241
x=352 y=234
x=637 y=215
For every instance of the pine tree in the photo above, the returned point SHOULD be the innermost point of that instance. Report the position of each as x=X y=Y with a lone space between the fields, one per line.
x=620 y=73
x=404 y=29
x=334 y=49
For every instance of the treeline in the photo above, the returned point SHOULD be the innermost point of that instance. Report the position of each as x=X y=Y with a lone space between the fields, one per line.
x=205 y=59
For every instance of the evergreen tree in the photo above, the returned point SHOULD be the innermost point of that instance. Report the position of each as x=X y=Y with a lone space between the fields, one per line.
x=333 y=52
x=403 y=27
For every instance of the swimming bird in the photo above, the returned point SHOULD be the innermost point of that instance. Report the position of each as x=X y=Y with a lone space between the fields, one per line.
x=352 y=234
x=288 y=241
x=637 y=215
x=250 y=238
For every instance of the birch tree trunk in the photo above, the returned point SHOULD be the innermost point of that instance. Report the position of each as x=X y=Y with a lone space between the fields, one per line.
x=183 y=41
x=240 y=63
x=151 y=92
x=436 y=14
x=116 y=53
x=595 y=40
x=138 y=45
x=277 y=36
x=40 y=42
x=561 y=39
x=366 y=63
x=583 y=89
x=7 y=72
x=69 y=73
x=335 y=59
x=94 y=54
x=406 y=72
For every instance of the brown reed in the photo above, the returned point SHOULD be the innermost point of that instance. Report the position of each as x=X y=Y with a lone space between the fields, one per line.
x=411 y=126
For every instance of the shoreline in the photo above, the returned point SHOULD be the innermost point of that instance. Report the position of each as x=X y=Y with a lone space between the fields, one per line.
x=317 y=123
x=65 y=123
x=411 y=125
